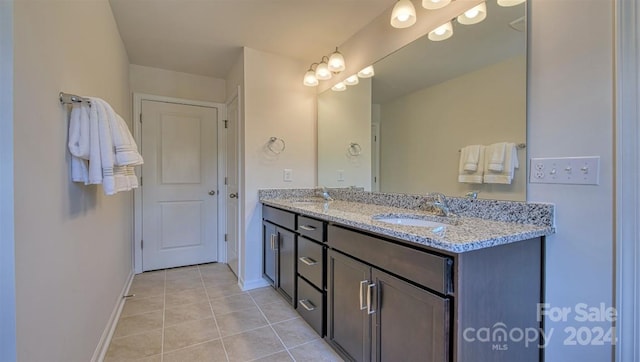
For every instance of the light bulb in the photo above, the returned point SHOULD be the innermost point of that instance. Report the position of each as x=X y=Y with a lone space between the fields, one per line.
x=403 y=14
x=310 y=79
x=474 y=15
x=435 y=4
x=323 y=72
x=442 y=32
x=336 y=62
x=507 y=3
x=339 y=87
x=352 y=80
x=367 y=72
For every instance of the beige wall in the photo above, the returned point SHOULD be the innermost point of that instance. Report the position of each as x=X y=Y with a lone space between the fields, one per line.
x=168 y=83
x=73 y=245
x=421 y=133
x=276 y=104
x=343 y=118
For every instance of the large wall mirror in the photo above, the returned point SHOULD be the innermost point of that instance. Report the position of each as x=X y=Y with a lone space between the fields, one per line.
x=402 y=130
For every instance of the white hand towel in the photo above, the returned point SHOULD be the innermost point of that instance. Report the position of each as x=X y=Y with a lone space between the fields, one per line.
x=511 y=163
x=496 y=154
x=106 y=148
x=470 y=155
x=126 y=149
x=95 y=161
x=79 y=138
x=474 y=176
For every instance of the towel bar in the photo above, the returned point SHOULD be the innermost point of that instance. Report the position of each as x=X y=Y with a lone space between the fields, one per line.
x=66 y=98
x=519 y=146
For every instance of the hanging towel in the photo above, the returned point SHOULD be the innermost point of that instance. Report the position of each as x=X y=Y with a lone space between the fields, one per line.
x=510 y=164
x=79 y=137
x=471 y=166
x=496 y=155
x=126 y=149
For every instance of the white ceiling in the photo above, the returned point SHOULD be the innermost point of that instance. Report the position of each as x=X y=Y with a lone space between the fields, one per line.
x=206 y=36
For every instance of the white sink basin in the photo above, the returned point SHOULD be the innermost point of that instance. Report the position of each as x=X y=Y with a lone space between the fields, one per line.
x=409 y=221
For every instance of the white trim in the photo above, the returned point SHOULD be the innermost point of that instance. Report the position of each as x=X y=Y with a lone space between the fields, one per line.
x=627 y=181
x=137 y=193
x=107 y=334
x=252 y=284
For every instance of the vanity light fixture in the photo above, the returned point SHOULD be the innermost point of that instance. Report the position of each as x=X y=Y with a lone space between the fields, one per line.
x=339 y=87
x=474 y=15
x=435 y=4
x=507 y=3
x=352 y=80
x=367 y=72
x=444 y=31
x=322 y=70
x=336 y=62
x=403 y=14
x=310 y=79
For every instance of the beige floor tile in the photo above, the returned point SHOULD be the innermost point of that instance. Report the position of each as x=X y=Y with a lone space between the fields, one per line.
x=152 y=275
x=295 y=332
x=265 y=295
x=137 y=305
x=179 y=285
x=278 y=311
x=317 y=350
x=138 y=323
x=225 y=305
x=214 y=266
x=186 y=313
x=189 y=296
x=205 y=352
x=252 y=344
x=218 y=282
x=189 y=333
x=276 y=357
x=135 y=347
x=147 y=288
x=183 y=273
x=240 y=321
x=224 y=290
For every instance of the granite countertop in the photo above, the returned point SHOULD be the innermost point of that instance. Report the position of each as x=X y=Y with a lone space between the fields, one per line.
x=460 y=233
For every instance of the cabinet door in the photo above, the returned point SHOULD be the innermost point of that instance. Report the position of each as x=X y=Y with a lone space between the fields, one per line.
x=349 y=325
x=411 y=324
x=269 y=252
x=287 y=263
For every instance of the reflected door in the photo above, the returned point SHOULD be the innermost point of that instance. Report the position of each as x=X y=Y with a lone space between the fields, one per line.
x=179 y=190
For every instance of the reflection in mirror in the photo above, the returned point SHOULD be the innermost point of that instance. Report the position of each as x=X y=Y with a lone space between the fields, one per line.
x=426 y=102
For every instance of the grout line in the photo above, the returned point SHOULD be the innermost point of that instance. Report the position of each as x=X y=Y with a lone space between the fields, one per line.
x=214 y=316
x=273 y=329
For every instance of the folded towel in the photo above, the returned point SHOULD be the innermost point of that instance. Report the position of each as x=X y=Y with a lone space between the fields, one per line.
x=79 y=137
x=471 y=176
x=126 y=149
x=470 y=156
x=496 y=156
x=510 y=164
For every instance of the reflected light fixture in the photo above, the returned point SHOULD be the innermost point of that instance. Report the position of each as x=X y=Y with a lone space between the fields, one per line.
x=507 y=3
x=336 y=62
x=352 y=80
x=339 y=87
x=367 y=72
x=310 y=79
x=474 y=15
x=435 y=4
x=442 y=32
x=403 y=14
x=322 y=70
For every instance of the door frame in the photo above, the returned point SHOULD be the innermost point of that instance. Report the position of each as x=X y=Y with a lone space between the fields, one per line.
x=235 y=94
x=137 y=193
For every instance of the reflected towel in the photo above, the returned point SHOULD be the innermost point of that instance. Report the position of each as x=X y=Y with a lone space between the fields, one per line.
x=471 y=176
x=510 y=164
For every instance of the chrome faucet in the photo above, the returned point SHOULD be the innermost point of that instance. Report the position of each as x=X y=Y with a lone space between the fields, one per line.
x=325 y=194
x=440 y=204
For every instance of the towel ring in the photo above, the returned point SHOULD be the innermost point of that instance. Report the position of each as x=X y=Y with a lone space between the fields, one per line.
x=354 y=149
x=276 y=145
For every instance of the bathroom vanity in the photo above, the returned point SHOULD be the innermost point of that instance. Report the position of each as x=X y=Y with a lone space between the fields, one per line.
x=461 y=288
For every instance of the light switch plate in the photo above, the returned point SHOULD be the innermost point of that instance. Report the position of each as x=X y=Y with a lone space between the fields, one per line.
x=565 y=170
x=288 y=175
x=340 y=175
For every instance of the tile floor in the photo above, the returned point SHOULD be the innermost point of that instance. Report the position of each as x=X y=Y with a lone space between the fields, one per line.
x=198 y=313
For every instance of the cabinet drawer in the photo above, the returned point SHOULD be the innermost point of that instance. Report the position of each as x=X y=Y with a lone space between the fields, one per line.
x=311 y=305
x=311 y=228
x=311 y=261
x=430 y=270
x=279 y=217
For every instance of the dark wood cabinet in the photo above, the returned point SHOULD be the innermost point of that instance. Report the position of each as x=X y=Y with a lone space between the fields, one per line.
x=287 y=264
x=279 y=252
x=270 y=253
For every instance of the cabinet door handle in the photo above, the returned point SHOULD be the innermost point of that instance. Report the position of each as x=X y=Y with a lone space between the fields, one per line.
x=362 y=284
x=273 y=241
x=307 y=227
x=308 y=261
x=306 y=304
x=369 y=297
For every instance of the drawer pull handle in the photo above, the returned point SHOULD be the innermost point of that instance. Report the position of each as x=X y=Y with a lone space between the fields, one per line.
x=308 y=261
x=306 y=304
x=369 y=297
x=362 y=284
x=307 y=227
x=274 y=239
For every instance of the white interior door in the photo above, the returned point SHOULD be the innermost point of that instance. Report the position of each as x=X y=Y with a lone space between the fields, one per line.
x=179 y=184
x=231 y=187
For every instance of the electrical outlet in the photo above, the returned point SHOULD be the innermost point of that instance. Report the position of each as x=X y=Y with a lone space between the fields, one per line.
x=288 y=175
x=565 y=170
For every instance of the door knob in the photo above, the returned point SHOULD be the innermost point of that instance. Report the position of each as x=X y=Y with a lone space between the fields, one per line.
x=212 y=192
x=233 y=196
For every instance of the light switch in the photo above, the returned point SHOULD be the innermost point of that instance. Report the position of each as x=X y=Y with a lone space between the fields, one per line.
x=288 y=175
x=340 y=175
x=565 y=170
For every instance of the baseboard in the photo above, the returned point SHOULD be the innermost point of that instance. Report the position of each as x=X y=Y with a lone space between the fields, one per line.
x=252 y=284
x=107 y=334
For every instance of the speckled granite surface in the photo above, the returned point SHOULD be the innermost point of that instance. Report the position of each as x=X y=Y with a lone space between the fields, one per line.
x=479 y=224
